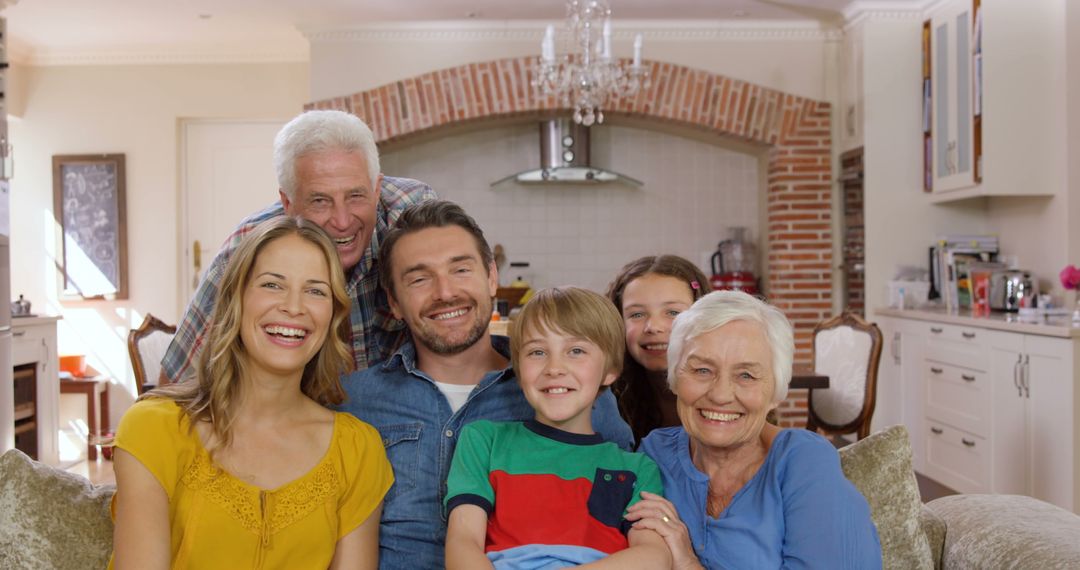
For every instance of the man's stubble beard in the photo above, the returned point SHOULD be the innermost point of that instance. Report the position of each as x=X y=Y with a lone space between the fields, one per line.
x=431 y=341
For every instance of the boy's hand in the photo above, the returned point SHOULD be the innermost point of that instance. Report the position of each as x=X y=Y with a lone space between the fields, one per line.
x=657 y=513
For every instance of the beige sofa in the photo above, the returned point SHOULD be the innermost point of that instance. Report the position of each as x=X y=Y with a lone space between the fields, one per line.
x=56 y=520
x=961 y=531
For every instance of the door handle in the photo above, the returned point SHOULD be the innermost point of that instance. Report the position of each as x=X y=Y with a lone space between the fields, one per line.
x=968 y=335
x=937 y=430
x=1025 y=376
x=196 y=257
x=936 y=330
x=967 y=442
x=1016 y=376
x=968 y=377
x=936 y=370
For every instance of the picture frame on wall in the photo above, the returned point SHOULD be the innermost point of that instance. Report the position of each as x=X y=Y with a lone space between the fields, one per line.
x=90 y=208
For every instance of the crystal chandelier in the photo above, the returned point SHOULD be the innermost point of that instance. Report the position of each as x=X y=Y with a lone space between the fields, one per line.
x=587 y=76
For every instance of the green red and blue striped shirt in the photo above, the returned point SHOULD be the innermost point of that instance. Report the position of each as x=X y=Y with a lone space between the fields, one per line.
x=544 y=486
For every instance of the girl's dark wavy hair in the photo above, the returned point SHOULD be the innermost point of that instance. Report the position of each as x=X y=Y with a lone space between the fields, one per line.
x=636 y=401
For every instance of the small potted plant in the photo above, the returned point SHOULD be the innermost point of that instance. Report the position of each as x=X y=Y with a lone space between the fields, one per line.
x=1070 y=280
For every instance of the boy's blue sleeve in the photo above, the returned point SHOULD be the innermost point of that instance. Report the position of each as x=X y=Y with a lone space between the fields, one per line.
x=609 y=424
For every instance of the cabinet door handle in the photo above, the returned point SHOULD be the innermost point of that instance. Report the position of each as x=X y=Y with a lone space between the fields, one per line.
x=936 y=330
x=936 y=430
x=968 y=335
x=936 y=370
x=967 y=442
x=968 y=377
x=18 y=333
x=1016 y=376
x=1025 y=376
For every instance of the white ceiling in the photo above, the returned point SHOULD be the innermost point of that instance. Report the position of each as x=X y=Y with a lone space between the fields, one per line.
x=38 y=29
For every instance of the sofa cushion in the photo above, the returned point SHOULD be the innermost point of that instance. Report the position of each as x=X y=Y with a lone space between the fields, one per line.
x=880 y=467
x=52 y=519
x=1007 y=531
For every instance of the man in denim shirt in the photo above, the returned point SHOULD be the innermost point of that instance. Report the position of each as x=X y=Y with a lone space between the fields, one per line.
x=440 y=279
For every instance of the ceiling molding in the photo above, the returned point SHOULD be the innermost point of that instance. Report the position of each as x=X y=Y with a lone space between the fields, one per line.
x=179 y=55
x=534 y=31
x=862 y=10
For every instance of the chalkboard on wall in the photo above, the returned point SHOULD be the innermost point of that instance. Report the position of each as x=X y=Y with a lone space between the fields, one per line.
x=88 y=203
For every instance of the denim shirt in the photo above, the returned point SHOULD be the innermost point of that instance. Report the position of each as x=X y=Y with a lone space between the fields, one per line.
x=420 y=432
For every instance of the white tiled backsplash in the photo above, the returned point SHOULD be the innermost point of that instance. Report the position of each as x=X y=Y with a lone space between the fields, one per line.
x=582 y=234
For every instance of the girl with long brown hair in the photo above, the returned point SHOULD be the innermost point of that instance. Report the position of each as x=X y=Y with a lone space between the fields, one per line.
x=649 y=293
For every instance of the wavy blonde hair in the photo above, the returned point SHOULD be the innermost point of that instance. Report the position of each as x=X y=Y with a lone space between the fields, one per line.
x=214 y=393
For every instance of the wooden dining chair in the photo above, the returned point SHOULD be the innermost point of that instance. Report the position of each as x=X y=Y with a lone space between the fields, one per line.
x=146 y=347
x=847 y=349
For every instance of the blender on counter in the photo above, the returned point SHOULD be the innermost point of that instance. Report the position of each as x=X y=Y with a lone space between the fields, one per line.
x=734 y=265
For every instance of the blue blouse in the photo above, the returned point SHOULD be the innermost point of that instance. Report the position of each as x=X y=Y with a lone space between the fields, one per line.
x=798 y=511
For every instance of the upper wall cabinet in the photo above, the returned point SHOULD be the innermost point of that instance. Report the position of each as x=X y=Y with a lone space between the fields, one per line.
x=994 y=126
x=952 y=97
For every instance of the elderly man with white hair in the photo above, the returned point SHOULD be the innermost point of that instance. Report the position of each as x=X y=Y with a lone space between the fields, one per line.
x=741 y=492
x=327 y=166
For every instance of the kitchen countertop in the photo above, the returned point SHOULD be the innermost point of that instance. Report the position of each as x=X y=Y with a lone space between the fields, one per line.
x=34 y=320
x=1059 y=326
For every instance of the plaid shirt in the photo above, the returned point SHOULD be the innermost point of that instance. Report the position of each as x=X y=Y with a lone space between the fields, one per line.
x=375 y=331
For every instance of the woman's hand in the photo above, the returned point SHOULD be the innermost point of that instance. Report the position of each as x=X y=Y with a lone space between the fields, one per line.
x=657 y=513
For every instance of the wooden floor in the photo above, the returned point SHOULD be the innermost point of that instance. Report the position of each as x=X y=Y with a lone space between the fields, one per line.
x=930 y=489
x=99 y=472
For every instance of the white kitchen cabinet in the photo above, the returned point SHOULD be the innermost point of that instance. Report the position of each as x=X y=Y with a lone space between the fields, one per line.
x=991 y=406
x=955 y=406
x=952 y=99
x=35 y=343
x=900 y=391
x=1034 y=417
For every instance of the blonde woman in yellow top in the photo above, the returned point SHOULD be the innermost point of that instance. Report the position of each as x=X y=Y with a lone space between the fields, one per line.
x=243 y=466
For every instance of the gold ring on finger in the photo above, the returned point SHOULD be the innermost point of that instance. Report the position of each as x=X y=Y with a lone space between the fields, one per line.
x=665 y=519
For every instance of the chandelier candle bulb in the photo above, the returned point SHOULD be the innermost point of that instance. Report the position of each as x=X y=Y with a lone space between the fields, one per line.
x=587 y=77
x=606 y=54
x=547 y=47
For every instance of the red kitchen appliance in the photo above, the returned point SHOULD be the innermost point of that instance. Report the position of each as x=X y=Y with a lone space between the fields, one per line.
x=734 y=265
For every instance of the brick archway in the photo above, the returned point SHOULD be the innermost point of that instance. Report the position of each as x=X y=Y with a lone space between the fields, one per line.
x=795 y=131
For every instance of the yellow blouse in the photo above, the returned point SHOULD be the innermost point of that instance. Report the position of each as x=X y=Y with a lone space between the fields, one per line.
x=219 y=521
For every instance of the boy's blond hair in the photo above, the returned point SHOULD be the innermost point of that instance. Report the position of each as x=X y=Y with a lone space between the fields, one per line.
x=572 y=311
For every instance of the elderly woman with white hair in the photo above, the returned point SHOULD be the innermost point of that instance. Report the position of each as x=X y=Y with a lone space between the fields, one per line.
x=741 y=492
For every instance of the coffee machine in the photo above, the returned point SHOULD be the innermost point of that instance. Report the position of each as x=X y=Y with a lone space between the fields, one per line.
x=734 y=265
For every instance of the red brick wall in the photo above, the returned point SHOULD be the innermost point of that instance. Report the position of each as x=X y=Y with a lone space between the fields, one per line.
x=794 y=130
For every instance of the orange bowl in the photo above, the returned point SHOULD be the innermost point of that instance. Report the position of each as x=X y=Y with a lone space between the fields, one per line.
x=75 y=364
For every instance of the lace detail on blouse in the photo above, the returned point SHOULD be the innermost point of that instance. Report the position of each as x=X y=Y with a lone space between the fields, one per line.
x=259 y=511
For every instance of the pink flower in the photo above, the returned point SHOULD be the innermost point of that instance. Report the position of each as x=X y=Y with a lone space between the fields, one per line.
x=1070 y=277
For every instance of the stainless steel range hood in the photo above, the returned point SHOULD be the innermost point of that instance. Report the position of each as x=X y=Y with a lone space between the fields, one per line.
x=564 y=158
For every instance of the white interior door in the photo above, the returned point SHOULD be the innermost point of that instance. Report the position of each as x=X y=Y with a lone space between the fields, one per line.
x=227 y=173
